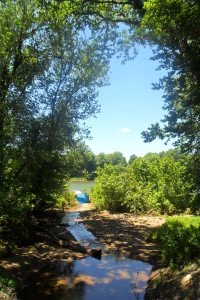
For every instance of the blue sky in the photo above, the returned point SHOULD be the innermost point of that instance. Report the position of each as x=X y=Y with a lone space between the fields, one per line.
x=128 y=106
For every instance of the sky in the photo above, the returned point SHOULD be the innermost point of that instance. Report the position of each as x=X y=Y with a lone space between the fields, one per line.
x=128 y=106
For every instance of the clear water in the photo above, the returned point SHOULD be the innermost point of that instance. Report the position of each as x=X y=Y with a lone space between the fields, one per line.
x=80 y=233
x=112 y=277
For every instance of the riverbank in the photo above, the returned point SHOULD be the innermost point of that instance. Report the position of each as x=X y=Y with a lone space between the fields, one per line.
x=129 y=235
x=119 y=233
x=52 y=243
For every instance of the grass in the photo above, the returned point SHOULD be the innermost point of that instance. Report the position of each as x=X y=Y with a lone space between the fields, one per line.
x=179 y=240
x=186 y=221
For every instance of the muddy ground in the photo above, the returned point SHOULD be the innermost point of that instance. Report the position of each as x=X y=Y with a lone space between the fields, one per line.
x=129 y=234
x=121 y=233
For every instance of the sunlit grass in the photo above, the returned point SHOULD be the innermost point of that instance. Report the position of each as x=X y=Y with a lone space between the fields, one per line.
x=179 y=240
x=185 y=220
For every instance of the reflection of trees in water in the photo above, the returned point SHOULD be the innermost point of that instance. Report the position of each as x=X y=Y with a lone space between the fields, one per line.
x=136 y=286
x=75 y=291
x=78 y=292
x=54 y=282
x=87 y=278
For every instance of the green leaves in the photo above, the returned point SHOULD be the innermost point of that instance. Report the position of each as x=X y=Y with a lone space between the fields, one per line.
x=172 y=27
x=109 y=189
x=116 y=159
x=52 y=62
x=156 y=183
x=179 y=240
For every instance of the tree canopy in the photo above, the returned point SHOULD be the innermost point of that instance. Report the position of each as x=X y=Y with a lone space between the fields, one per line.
x=173 y=28
x=116 y=159
x=54 y=56
x=52 y=63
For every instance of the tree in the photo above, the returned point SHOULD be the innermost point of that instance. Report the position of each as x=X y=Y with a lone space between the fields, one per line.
x=52 y=61
x=150 y=183
x=47 y=79
x=116 y=159
x=81 y=161
x=100 y=159
x=131 y=159
x=174 y=27
x=55 y=54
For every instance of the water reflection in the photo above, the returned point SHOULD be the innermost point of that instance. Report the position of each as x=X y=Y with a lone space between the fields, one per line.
x=78 y=230
x=90 y=279
x=114 y=276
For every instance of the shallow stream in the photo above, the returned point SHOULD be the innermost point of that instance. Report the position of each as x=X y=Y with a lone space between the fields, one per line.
x=111 y=277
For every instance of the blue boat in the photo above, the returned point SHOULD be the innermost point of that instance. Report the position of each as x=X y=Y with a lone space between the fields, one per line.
x=82 y=198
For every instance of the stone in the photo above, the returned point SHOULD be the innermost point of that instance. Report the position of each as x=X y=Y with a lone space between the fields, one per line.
x=96 y=253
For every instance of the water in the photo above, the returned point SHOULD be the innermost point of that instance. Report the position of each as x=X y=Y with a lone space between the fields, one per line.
x=112 y=277
x=80 y=233
x=83 y=186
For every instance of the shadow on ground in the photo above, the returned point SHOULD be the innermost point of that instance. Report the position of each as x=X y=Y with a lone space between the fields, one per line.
x=124 y=233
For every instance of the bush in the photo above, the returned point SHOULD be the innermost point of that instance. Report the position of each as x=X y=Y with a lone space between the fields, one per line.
x=179 y=240
x=152 y=183
x=66 y=198
x=110 y=188
x=6 y=281
x=15 y=223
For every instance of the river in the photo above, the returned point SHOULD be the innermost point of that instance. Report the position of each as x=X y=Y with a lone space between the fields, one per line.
x=83 y=186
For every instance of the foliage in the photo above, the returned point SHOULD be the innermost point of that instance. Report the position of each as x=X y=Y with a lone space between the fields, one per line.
x=179 y=240
x=48 y=87
x=7 y=282
x=151 y=183
x=100 y=159
x=109 y=189
x=171 y=28
x=66 y=198
x=131 y=159
x=172 y=25
x=81 y=162
x=115 y=159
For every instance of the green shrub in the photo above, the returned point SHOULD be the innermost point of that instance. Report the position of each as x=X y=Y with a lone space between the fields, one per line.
x=6 y=281
x=110 y=188
x=179 y=240
x=151 y=183
x=15 y=222
x=66 y=198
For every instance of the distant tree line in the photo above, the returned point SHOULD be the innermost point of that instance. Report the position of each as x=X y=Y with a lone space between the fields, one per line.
x=82 y=162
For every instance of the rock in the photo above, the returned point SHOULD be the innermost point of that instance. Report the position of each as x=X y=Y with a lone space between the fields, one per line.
x=96 y=253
